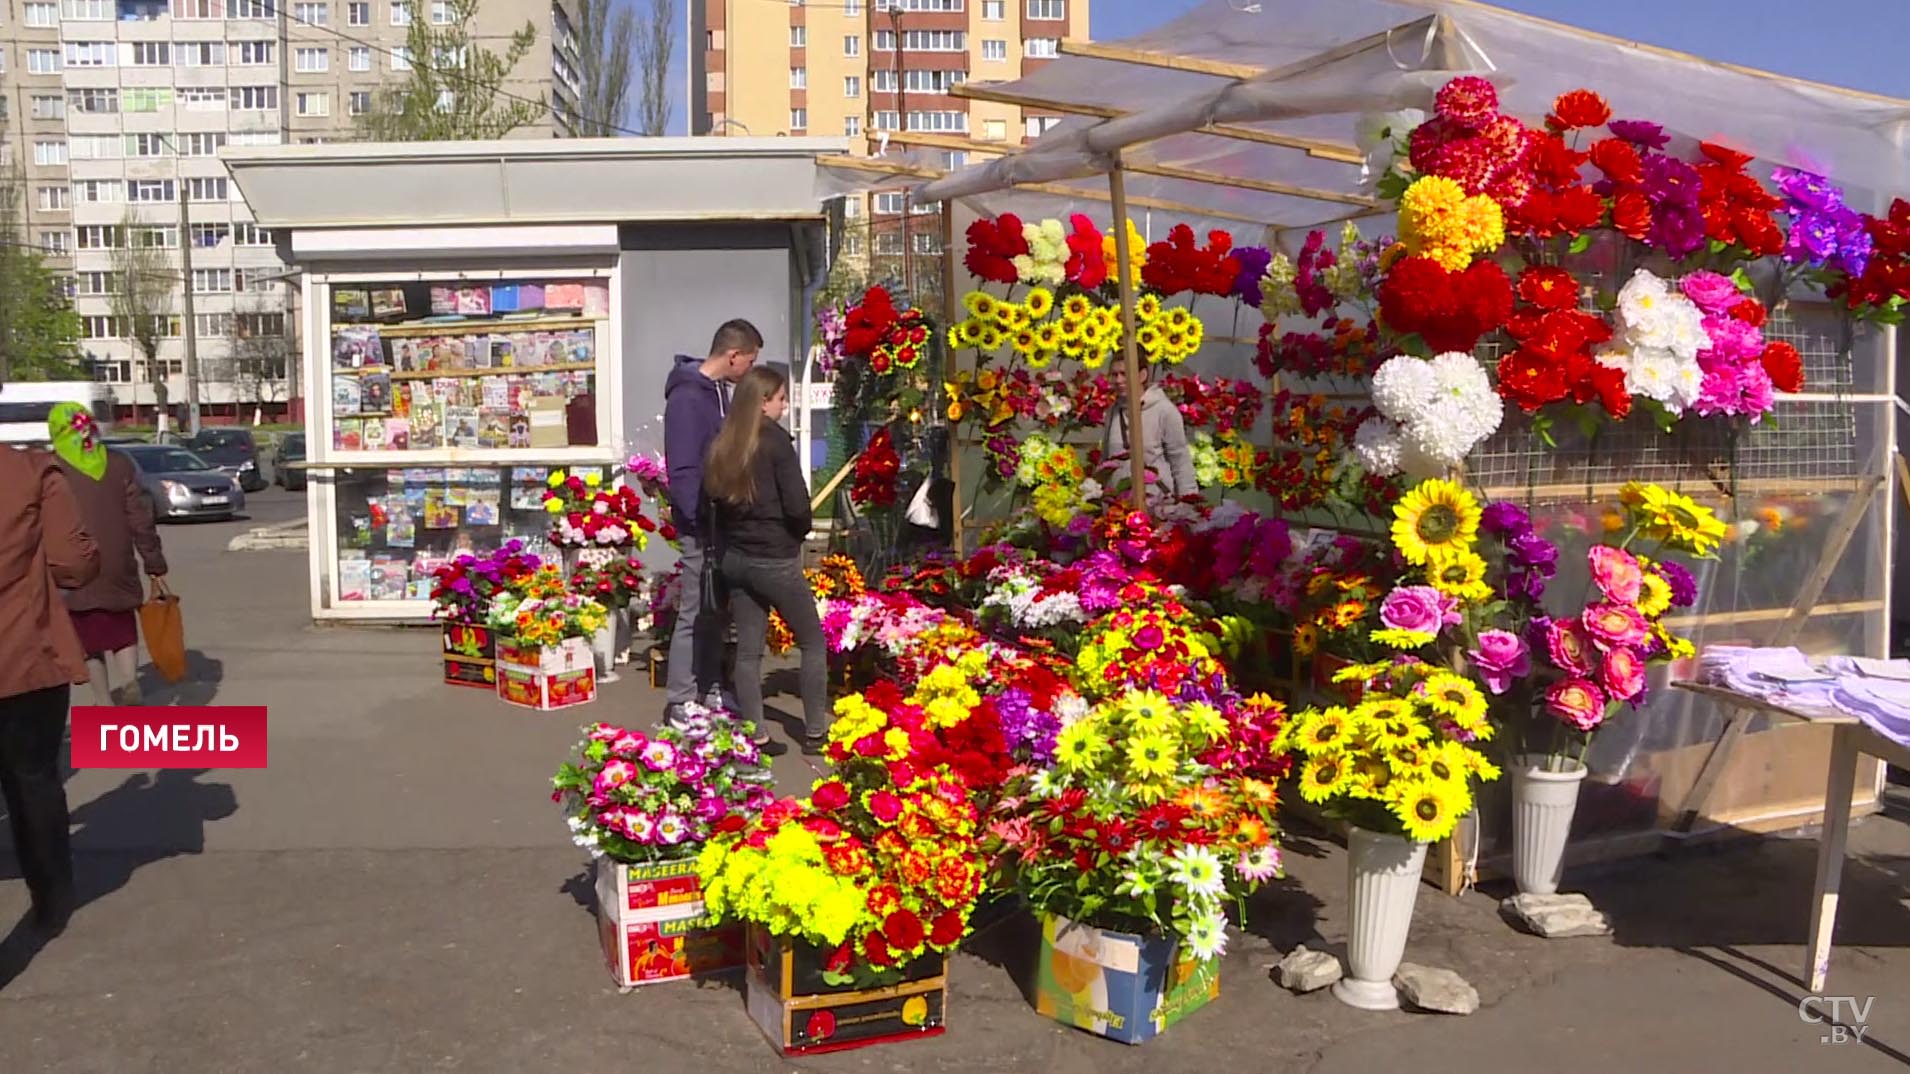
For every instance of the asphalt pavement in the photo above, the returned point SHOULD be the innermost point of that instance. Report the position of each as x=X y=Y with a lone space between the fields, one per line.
x=396 y=893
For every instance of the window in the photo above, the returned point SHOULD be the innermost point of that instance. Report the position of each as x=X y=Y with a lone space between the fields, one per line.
x=208 y=236
x=358 y=58
x=43 y=14
x=212 y=324
x=888 y=204
x=995 y=130
x=360 y=102
x=89 y=10
x=358 y=13
x=401 y=12
x=202 y=98
x=401 y=58
x=440 y=12
x=243 y=138
x=89 y=54
x=211 y=281
x=150 y=190
x=798 y=119
x=994 y=10
x=252 y=53
x=97 y=146
x=244 y=234
x=888 y=242
x=1040 y=125
x=43 y=61
x=919 y=5
x=196 y=9
x=97 y=327
x=99 y=191
x=93 y=101
x=255 y=98
x=260 y=324
x=917 y=81
x=149 y=145
x=49 y=152
x=994 y=50
x=201 y=53
x=201 y=145
x=852 y=7
x=1041 y=48
x=98 y=237
x=49 y=107
x=1047 y=9
x=851 y=45
x=206 y=189
x=799 y=78
x=156 y=238
x=922 y=40
x=312 y=14
x=852 y=85
x=851 y=126
x=254 y=285
x=252 y=9
x=926 y=242
x=312 y=60
x=942 y=122
x=96 y=283
x=53 y=199
x=145 y=98
x=314 y=104
x=151 y=54
x=798 y=37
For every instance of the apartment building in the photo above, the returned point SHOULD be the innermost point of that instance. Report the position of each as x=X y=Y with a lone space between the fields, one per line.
x=862 y=67
x=116 y=111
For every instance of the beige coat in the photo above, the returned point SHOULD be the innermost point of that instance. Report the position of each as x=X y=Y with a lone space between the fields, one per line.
x=1163 y=439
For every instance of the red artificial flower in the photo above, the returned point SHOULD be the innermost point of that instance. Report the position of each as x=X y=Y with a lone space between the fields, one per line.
x=1618 y=159
x=1177 y=264
x=868 y=323
x=845 y=858
x=992 y=247
x=1556 y=163
x=1162 y=821
x=1631 y=214
x=821 y=1025
x=1548 y=287
x=1750 y=311
x=1579 y=209
x=947 y=930
x=884 y=899
x=830 y=795
x=1609 y=385
x=1785 y=366
x=1578 y=108
x=1449 y=310
x=884 y=806
x=840 y=959
x=903 y=930
x=1114 y=837
x=1087 y=265
x=870 y=745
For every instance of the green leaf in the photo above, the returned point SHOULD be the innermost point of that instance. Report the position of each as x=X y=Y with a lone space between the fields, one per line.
x=1607 y=301
x=1580 y=244
x=1391 y=186
x=1718 y=246
x=1742 y=279
x=1542 y=427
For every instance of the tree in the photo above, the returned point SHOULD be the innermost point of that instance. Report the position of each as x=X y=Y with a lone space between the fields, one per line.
x=144 y=283
x=39 y=332
x=455 y=89
x=607 y=31
x=261 y=356
x=654 y=45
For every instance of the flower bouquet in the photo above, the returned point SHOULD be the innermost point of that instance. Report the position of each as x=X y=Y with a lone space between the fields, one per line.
x=587 y=515
x=644 y=805
x=543 y=655
x=461 y=593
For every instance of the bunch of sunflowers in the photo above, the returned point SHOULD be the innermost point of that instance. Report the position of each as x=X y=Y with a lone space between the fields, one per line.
x=1079 y=327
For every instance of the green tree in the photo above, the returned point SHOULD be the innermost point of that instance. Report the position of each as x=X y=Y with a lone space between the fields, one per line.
x=607 y=31
x=39 y=332
x=455 y=88
x=144 y=281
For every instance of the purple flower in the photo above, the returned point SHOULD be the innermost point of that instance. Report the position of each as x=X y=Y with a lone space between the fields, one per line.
x=1272 y=544
x=1684 y=588
x=1807 y=189
x=1640 y=132
x=1504 y=519
x=1253 y=262
x=1501 y=657
x=1525 y=585
x=1711 y=291
x=1531 y=552
x=1420 y=609
x=1677 y=228
x=1732 y=340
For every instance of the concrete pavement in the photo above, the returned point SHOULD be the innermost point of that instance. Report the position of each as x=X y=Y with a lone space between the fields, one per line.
x=396 y=893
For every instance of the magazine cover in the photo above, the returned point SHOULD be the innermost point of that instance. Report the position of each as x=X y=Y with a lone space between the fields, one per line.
x=387 y=576
x=401 y=529
x=425 y=427
x=438 y=515
x=404 y=355
x=461 y=426
x=398 y=434
x=348 y=434
x=520 y=435
x=444 y=301
x=350 y=304
x=596 y=300
x=373 y=436
x=401 y=399
x=502 y=356
x=356 y=347
x=374 y=392
x=583 y=346
x=345 y=394
x=494 y=427
x=354 y=577
x=482 y=510
x=388 y=302
x=525 y=350
x=474 y=301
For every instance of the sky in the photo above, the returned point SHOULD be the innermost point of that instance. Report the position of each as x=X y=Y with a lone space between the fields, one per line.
x=1854 y=43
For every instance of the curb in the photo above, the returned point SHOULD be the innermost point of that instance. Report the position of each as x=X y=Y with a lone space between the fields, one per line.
x=285 y=535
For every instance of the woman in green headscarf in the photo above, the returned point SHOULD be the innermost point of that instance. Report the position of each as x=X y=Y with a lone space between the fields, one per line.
x=115 y=511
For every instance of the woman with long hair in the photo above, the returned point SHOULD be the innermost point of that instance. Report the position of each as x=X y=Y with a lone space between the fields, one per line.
x=753 y=483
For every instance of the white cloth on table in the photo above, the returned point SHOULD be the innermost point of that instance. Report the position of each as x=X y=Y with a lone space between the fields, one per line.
x=1875 y=691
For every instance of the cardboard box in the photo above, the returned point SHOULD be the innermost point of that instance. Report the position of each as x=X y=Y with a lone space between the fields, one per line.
x=548 y=677
x=651 y=923
x=802 y=1014
x=470 y=656
x=1118 y=985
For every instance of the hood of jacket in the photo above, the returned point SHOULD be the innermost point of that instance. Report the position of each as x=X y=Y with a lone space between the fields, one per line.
x=687 y=373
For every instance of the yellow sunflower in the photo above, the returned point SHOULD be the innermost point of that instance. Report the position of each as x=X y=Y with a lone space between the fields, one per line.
x=1461 y=575
x=1152 y=757
x=1654 y=596
x=1326 y=729
x=1674 y=518
x=991 y=338
x=1401 y=639
x=1080 y=745
x=1436 y=518
x=1024 y=341
x=981 y=305
x=1454 y=697
x=970 y=332
x=1347 y=614
x=1371 y=778
x=1041 y=359
x=1076 y=308
x=1147 y=308
x=1324 y=776
x=1306 y=639
x=1427 y=811
x=1040 y=303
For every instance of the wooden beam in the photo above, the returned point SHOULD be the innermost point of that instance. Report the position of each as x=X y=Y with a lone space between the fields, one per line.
x=1132 y=438
x=958 y=144
x=1167 y=61
x=1334 y=151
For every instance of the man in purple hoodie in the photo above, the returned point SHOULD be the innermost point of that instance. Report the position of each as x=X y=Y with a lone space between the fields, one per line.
x=695 y=402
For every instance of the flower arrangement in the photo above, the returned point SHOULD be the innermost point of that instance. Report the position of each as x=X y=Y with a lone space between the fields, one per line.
x=652 y=479
x=876 y=472
x=612 y=579
x=886 y=338
x=463 y=589
x=1179 y=264
x=540 y=609
x=1431 y=415
x=585 y=514
x=1059 y=481
x=1226 y=461
x=836 y=577
x=638 y=798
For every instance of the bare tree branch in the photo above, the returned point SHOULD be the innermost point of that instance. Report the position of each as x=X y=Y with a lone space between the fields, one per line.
x=455 y=88
x=144 y=283
x=608 y=33
x=656 y=40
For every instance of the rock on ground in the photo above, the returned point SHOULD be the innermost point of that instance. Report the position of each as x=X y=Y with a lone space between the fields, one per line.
x=1428 y=989
x=1307 y=971
x=1556 y=917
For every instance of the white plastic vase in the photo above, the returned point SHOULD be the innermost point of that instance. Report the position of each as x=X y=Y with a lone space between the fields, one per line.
x=1382 y=885
x=1542 y=806
x=603 y=648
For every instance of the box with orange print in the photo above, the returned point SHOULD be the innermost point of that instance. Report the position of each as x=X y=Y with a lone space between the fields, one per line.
x=804 y=1010
x=651 y=922
x=545 y=677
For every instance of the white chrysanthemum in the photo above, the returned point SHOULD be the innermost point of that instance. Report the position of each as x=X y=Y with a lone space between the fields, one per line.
x=1642 y=295
x=1462 y=383
x=1403 y=387
x=1069 y=708
x=1650 y=374
x=1442 y=439
x=1687 y=380
x=1377 y=445
x=1686 y=336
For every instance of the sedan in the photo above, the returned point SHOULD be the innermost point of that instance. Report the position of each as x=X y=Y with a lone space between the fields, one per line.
x=179 y=484
x=232 y=451
x=291 y=450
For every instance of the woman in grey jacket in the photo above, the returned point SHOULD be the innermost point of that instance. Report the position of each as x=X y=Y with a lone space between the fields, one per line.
x=1163 y=438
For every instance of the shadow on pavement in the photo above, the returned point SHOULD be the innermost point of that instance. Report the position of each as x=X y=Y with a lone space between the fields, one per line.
x=201 y=684
x=146 y=819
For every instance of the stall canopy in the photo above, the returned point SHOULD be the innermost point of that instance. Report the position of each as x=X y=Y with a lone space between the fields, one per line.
x=1251 y=108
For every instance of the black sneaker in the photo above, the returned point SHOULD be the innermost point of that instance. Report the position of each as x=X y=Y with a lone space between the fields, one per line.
x=814 y=746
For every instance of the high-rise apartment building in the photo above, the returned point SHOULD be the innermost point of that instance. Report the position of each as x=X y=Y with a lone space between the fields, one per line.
x=848 y=67
x=115 y=110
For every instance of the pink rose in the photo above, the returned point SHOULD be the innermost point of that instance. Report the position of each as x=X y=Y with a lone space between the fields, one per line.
x=1501 y=657
x=1615 y=626
x=1617 y=573
x=1569 y=648
x=1710 y=291
x=1623 y=674
x=1576 y=702
x=1418 y=608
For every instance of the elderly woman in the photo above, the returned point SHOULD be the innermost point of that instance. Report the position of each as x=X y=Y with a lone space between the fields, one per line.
x=115 y=512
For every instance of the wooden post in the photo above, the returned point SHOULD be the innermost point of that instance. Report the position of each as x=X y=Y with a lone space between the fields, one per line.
x=1130 y=353
x=952 y=376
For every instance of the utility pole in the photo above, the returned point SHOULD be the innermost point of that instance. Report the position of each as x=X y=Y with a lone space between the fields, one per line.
x=191 y=326
x=902 y=125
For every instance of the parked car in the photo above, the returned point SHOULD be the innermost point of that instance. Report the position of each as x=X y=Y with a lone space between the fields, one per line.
x=232 y=451
x=179 y=484
x=291 y=450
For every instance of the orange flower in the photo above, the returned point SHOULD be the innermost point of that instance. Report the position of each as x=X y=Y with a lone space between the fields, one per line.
x=1578 y=108
x=1202 y=802
x=1249 y=832
x=1258 y=794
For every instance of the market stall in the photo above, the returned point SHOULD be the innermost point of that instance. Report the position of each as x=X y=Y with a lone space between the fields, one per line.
x=477 y=316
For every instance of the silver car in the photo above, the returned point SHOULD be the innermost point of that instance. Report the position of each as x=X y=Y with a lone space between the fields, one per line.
x=179 y=484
